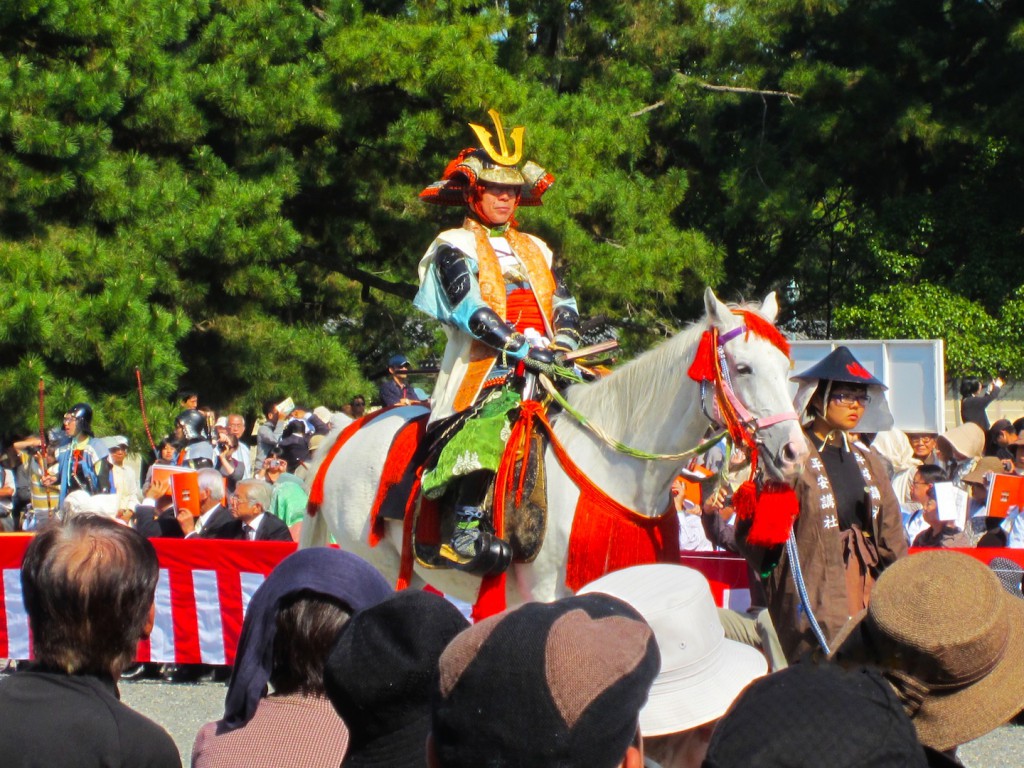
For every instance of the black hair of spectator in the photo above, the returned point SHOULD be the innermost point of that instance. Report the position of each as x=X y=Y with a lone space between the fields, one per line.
x=308 y=623
x=932 y=473
x=999 y=426
x=969 y=387
x=269 y=406
x=88 y=587
x=186 y=394
x=294 y=428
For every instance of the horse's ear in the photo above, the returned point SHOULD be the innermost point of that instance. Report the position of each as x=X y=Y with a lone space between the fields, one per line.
x=719 y=315
x=770 y=307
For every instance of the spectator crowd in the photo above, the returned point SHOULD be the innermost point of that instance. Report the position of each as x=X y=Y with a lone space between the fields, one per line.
x=334 y=668
x=253 y=478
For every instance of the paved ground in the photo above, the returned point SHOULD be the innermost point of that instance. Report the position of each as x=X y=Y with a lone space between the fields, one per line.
x=1003 y=748
x=183 y=708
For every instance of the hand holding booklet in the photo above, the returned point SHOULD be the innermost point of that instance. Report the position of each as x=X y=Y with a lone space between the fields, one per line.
x=1004 y=493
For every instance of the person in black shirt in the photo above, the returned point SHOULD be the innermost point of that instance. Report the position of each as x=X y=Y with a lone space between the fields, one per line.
x=88 y=588
x=974 y=403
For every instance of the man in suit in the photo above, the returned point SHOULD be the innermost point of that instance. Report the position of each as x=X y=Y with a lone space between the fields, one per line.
x=249 y=505
x=215 y=520
x=155 y=516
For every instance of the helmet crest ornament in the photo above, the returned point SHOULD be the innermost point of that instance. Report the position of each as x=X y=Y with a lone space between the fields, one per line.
x=490 y=165
x=500 y=156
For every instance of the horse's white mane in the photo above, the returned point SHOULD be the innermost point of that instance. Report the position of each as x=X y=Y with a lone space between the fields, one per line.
x=639 y=390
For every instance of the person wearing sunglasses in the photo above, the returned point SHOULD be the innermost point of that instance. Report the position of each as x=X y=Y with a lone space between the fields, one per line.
x=395 y=390
x=849 y=527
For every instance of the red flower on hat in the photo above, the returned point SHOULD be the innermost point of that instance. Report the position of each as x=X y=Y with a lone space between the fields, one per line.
x=858 y=370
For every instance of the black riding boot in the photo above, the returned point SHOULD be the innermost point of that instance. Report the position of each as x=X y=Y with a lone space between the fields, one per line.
x=474 y=547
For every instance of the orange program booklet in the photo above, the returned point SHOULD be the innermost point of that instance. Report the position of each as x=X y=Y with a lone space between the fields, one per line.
x=162 y=473
x=1004 y=492
x=185 y=492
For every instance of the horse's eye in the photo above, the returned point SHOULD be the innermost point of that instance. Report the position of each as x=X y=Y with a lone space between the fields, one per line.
x=743 y=368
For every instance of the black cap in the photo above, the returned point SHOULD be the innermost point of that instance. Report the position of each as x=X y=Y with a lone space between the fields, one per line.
x=381 y=673
x=548 y=685
x=812 y=715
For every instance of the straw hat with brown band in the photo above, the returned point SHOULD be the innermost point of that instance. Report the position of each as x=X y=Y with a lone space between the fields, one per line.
x=950 y=641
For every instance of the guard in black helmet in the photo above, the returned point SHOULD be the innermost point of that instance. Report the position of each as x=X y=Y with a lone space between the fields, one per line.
x=192 y=435
x=78 y=456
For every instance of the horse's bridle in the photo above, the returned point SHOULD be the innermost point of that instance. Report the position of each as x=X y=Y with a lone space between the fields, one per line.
x=727 y=410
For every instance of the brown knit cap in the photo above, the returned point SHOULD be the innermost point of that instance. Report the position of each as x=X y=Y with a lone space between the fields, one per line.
x=948 y=639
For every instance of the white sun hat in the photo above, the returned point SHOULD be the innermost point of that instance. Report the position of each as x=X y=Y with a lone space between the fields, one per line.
x=701 y=671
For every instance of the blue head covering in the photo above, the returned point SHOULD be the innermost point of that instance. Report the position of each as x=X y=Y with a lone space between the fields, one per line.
x=327 y=571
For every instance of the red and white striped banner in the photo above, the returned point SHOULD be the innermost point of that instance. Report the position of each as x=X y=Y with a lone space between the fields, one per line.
x=727 y=575
x=204 y=588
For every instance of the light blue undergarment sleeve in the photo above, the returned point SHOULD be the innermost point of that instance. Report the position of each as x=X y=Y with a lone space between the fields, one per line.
x=432 y=300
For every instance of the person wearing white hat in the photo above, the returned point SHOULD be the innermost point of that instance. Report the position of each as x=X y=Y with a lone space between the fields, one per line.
x=116 y=477
x=701 y=673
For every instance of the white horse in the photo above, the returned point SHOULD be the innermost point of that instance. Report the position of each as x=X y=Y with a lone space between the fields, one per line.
x=649 y=404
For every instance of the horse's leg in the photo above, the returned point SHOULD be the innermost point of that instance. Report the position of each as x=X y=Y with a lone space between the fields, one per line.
x=314 y=532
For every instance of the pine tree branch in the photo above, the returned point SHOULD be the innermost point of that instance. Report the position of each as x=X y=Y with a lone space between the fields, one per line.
x=740 y=89
x=370 y=280
x=721 y=88
x=648 y=108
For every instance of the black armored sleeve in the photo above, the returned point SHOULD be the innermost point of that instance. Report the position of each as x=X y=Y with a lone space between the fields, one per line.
x=484 y=324
x=453 y=270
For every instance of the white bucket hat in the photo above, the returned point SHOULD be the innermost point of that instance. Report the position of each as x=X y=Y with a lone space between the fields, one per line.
x=701 y=671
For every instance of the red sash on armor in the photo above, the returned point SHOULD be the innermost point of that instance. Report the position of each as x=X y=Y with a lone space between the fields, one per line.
x=523 y=311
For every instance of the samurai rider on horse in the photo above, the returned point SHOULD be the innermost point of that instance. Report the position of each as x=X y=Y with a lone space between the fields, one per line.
x=504 y=308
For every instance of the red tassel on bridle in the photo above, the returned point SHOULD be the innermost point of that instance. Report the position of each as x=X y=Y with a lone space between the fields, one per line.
x=774 y=514
x=705 y=367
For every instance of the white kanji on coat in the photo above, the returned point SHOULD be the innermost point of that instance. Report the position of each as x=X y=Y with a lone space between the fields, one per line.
x=830 y=521
x=828 y=501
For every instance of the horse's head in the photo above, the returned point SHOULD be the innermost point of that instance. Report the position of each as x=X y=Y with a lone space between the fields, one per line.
x=756 y=364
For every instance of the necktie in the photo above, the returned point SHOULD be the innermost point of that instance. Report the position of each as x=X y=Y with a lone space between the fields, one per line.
x=250 y=532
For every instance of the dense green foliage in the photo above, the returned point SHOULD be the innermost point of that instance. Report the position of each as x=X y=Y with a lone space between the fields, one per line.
x=223 y=193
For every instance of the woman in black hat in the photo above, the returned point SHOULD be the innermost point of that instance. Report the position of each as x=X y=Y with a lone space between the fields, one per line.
x=849 y=527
